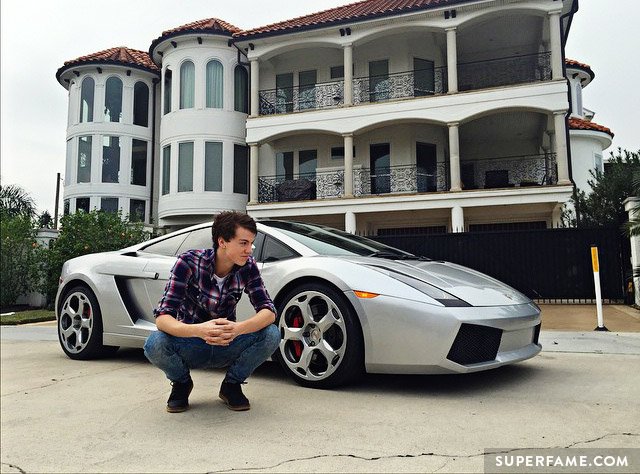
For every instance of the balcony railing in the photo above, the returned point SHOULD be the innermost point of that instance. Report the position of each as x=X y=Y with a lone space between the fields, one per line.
x=504 y=71
x=401 y=85
x=292 y=99
x=416 y=83
x=509 y=171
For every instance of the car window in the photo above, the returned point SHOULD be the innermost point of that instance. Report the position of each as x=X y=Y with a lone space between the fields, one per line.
x=257 y=246
x=273 y=250
x=168 y=246
x=198 y=239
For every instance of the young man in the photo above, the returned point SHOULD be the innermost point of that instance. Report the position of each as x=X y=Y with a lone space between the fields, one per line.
x=196 y=317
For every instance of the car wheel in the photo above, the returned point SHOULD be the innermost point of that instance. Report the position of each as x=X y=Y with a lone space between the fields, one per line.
x=80 y=325
x=321 y=340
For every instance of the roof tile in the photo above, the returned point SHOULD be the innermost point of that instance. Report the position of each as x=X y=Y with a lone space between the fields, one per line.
x=581 y=124
x=119 y=54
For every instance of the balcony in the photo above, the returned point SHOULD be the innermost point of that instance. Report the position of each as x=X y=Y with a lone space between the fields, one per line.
x=474 y=75
x=490 y=173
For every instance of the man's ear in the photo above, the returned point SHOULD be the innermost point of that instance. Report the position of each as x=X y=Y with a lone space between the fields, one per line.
x=221 y=241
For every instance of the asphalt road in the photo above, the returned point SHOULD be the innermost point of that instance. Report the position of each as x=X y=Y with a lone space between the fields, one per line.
x=59 y=415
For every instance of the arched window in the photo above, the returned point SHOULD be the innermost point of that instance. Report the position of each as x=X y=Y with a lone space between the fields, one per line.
x=215 y=79
x=86 y=100
x=141 y=104
x=241 y=93
x=113 y=100
x=167 y=90
x=187 y=84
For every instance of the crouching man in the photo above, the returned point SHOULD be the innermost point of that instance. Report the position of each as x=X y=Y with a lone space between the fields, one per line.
x=196 y=317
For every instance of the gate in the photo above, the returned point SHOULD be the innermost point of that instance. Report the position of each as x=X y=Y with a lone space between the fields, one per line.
x=543 y=264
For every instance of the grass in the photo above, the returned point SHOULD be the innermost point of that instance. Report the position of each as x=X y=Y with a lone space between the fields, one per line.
x=31 y=316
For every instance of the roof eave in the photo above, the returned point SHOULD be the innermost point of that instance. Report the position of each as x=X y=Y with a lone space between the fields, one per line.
x=161 y=39
x=106 y=62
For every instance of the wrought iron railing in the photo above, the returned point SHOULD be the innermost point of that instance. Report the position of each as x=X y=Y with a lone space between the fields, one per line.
x=303 y=187
x=509 y=171
x=293 y=99
x=400 y=85
x=400 y=179
x=504 y=71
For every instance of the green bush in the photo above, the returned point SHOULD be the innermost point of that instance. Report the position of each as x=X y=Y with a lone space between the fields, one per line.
x=88 y=232
x=20 y=257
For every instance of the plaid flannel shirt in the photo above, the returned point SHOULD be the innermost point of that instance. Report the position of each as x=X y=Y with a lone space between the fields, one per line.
x=192 y=294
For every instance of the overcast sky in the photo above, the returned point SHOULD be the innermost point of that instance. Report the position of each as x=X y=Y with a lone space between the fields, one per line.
x=38 y=36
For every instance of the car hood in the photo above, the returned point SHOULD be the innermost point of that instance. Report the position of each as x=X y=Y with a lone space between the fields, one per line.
x=471 y=286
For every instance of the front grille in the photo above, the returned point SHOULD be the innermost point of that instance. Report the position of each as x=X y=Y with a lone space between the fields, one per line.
x=475 y=344
x=536 y=334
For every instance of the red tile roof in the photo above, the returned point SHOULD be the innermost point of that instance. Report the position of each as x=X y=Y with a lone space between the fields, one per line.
x=348 y=13
x=118 y=55
x=208 y=25
x=573 y=62
x=581 y=124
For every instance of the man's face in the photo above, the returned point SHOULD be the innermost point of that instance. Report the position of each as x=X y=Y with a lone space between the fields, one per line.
x=239 y=248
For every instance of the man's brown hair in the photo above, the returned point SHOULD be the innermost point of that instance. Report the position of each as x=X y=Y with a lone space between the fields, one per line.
x=226 y=223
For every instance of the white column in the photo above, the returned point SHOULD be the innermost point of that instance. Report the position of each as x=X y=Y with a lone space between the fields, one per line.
x=457 y=219
x=556 y=216
x=556 y=45
x=348 y=75
x=348 y=165
x=454 y=157
x=561 y=147
x=632 y=206
x=255 y=87
x=253 y=173
x=350 y=222
x=452 y=60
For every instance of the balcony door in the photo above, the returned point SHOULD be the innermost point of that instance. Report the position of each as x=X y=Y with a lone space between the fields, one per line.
x=284 y=93
x=307 y=85
x=423 y=77
x=307 y=164
x=380 y=162
x=426 y=167
x=378 y=80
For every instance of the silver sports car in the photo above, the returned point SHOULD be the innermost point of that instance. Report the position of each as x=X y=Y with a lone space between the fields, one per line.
x=345 y=303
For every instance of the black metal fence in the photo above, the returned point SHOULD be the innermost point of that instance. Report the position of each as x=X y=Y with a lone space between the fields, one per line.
x=544 y=264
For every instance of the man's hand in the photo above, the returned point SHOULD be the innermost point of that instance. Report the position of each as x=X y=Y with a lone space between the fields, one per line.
x=219 y=332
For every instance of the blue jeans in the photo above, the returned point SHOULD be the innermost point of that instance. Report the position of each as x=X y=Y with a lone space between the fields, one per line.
x=175 y=356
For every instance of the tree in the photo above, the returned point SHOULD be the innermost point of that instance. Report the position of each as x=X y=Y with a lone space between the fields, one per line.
x=603 y=206
x=16 y=201
x=88 y=232
x=45 y=221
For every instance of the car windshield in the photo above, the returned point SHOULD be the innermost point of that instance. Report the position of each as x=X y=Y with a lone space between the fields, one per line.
x=329 y=241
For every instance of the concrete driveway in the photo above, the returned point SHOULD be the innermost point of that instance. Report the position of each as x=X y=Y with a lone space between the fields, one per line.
x=108 y=416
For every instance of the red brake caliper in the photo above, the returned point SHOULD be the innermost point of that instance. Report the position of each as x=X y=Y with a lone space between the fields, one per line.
x=297 y=345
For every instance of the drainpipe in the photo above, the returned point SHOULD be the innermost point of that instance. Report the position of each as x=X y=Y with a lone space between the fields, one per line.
x=153 y=144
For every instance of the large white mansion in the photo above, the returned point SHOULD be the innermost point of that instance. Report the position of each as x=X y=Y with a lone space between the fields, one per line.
x=423 y=115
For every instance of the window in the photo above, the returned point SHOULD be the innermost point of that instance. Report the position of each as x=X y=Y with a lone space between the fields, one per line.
x=308 y=162
x=166 y=169
x=273 y=250
x=110 y=159
x=284 y=165
x=215 y=81
x=378 y=80
x=84 y=160
x=68 y=166
x=187 y=84
x=284 y=93
x=379 y=162
x=424 y=77
x=168 y=246
x=82 y=204
x=337 y=152
x=241 y=90
x=109 y=204
x=198 y=239
x=113 y=100
x=137 y=210
x=86 y=99
x=139 y=162
x=597 y=161
x=141 y=104
x=337 y=72
x=213 y=166
x=307 y=89
x=240 y=169
x=167 y=90
x=185 y=167
x=65 y=207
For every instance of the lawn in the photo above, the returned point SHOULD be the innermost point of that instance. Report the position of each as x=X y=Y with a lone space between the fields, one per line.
x=30 y=316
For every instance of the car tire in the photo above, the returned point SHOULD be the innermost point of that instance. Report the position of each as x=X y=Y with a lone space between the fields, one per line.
x=321 y=342
x=80 y=325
